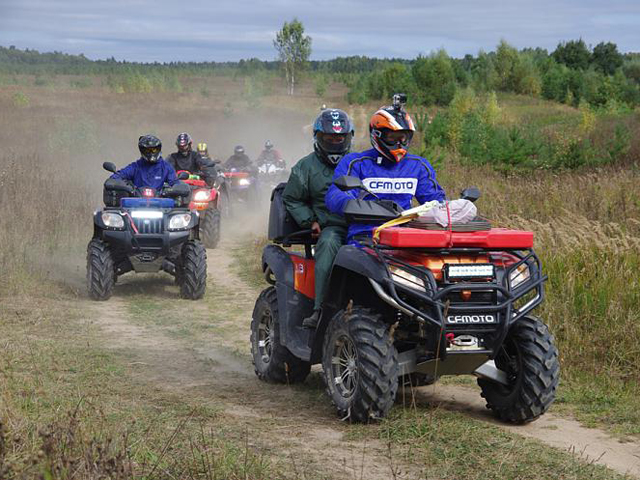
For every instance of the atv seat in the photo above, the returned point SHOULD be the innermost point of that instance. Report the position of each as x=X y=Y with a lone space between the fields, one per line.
x=283 y=229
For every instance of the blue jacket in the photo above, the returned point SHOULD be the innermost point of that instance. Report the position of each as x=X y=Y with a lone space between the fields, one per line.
x=146 y=174
x=400 y=182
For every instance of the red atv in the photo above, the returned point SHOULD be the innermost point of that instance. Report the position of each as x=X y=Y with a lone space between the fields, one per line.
x=208 y=202
x=421 y=302
x=242 y=186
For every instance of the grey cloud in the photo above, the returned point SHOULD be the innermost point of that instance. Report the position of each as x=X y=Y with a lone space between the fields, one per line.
x=222 y=30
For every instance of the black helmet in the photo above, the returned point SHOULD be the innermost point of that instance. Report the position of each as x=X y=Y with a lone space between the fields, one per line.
x=333 y=132
x=183 y=142
x=150 y=147
x=268 y=145
x=238 y=150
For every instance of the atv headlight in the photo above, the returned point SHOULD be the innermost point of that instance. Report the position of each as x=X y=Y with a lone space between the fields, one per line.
x=245 y=182
x=406 y=279
x=201 y=196
x=180 y=221
x=112 y=220
x=519 y=275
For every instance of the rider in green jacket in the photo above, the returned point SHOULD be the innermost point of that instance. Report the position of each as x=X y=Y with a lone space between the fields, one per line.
x=305 y=192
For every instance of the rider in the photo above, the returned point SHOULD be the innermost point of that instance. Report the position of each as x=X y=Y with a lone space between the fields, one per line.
x=391 y=130
x=239 y=160
x=305 y=193
x=270 y=156
x=150 y=170
x=203 y=150
x=186 y=159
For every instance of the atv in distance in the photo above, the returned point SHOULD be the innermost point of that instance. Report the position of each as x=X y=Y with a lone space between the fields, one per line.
x=242 y=186
x=270 y=175
x=207 y=200
x=421 y=302
x=145 y=231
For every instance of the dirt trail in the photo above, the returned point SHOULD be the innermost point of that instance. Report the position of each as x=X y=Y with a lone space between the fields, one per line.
x=301 y=429
x=302 y=435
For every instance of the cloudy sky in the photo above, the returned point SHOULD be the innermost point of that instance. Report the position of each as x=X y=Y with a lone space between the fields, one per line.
x=219 y=30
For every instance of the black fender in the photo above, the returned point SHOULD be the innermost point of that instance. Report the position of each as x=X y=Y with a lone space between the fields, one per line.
x=349 y=281
x=293 y=306
x=359 y=261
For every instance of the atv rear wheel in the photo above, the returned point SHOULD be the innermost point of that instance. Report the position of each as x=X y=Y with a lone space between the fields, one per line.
x=193 y=270
x=101 y=274
x=360 y=365
x=530 y=359
x=272 y=361
x=210 y=228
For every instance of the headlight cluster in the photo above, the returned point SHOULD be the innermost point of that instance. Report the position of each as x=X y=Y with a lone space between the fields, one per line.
x=112 y=220
x=406 y=279
x=180 y=221
x=201 y=196
x=244 y=182
x=519 y=275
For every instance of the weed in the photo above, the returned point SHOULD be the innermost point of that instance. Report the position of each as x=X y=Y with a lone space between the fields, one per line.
x=20 y=99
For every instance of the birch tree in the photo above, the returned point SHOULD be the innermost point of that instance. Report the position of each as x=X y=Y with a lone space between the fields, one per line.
x=293 y=49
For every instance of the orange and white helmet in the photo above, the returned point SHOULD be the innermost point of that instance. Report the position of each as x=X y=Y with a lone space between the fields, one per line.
x=391 y=131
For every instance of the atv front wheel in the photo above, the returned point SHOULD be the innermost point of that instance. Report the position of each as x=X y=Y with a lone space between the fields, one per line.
x=101 y=274
x=193 y=270
x=530 y=359
x=360 y=365
x=272 y=361
x=210 y=228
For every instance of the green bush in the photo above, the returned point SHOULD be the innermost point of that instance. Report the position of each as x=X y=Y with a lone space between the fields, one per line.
x=322 y=82
x=435 y=79
x=81 y=83
x=20 y=99
x=471 y=128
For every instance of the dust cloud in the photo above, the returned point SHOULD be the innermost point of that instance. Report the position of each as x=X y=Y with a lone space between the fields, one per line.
x=53 y=149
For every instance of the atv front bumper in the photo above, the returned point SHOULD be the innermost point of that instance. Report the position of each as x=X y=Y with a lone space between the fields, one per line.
x=159 y=245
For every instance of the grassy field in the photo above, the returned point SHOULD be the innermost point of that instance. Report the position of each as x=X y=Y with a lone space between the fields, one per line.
x=68 y=403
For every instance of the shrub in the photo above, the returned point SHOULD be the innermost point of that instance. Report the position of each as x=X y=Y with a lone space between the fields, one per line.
x=321 y=85
x=20 y=99
x=435 y=79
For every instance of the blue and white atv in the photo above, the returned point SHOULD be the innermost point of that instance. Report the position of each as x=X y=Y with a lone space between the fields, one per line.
x=145 y=231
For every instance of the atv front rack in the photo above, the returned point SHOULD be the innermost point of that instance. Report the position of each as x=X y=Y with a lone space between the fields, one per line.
x=434 y=296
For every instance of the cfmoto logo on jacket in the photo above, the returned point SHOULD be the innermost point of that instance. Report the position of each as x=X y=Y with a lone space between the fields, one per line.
x=390 y=185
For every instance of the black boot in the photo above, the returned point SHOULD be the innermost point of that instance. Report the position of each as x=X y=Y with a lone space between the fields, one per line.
x=312 y=321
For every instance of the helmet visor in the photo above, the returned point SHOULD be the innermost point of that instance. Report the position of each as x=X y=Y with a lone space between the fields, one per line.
x=334 y=142
x=147 y=151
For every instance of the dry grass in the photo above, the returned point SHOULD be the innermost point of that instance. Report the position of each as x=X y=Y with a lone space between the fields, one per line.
x=587 y=229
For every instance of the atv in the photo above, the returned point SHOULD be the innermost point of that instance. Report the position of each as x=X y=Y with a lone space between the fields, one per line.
x=207 y=200
x=420 y=302
x=270 y=175
x=242 y=186
x=145 y=231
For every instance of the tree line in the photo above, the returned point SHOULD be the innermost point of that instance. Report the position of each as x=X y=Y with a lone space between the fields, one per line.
x=571 y=74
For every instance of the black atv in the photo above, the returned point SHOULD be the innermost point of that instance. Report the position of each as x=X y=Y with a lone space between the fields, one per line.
x=145 y=231
x=421 y=302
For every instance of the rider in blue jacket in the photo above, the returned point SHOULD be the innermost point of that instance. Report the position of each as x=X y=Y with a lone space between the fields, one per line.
x=150 y=170
x=387 y=170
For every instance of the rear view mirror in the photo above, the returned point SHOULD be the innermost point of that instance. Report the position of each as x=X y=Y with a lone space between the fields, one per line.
x=110 y=167
x=183 y=175
x=346 y=182
x=471 y=193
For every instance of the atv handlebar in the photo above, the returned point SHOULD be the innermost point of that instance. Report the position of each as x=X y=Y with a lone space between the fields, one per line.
x=286 y=239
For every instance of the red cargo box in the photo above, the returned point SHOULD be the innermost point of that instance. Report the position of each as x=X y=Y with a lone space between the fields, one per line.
x=494 y=239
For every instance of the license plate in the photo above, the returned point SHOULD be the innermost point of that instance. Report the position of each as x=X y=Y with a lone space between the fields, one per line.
x=470 y=271
x=472 y=319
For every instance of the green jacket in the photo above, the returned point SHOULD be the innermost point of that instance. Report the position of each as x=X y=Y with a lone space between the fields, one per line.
x=304 y=194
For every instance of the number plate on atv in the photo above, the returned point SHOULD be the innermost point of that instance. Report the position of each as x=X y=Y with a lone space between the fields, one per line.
x=472 y=319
